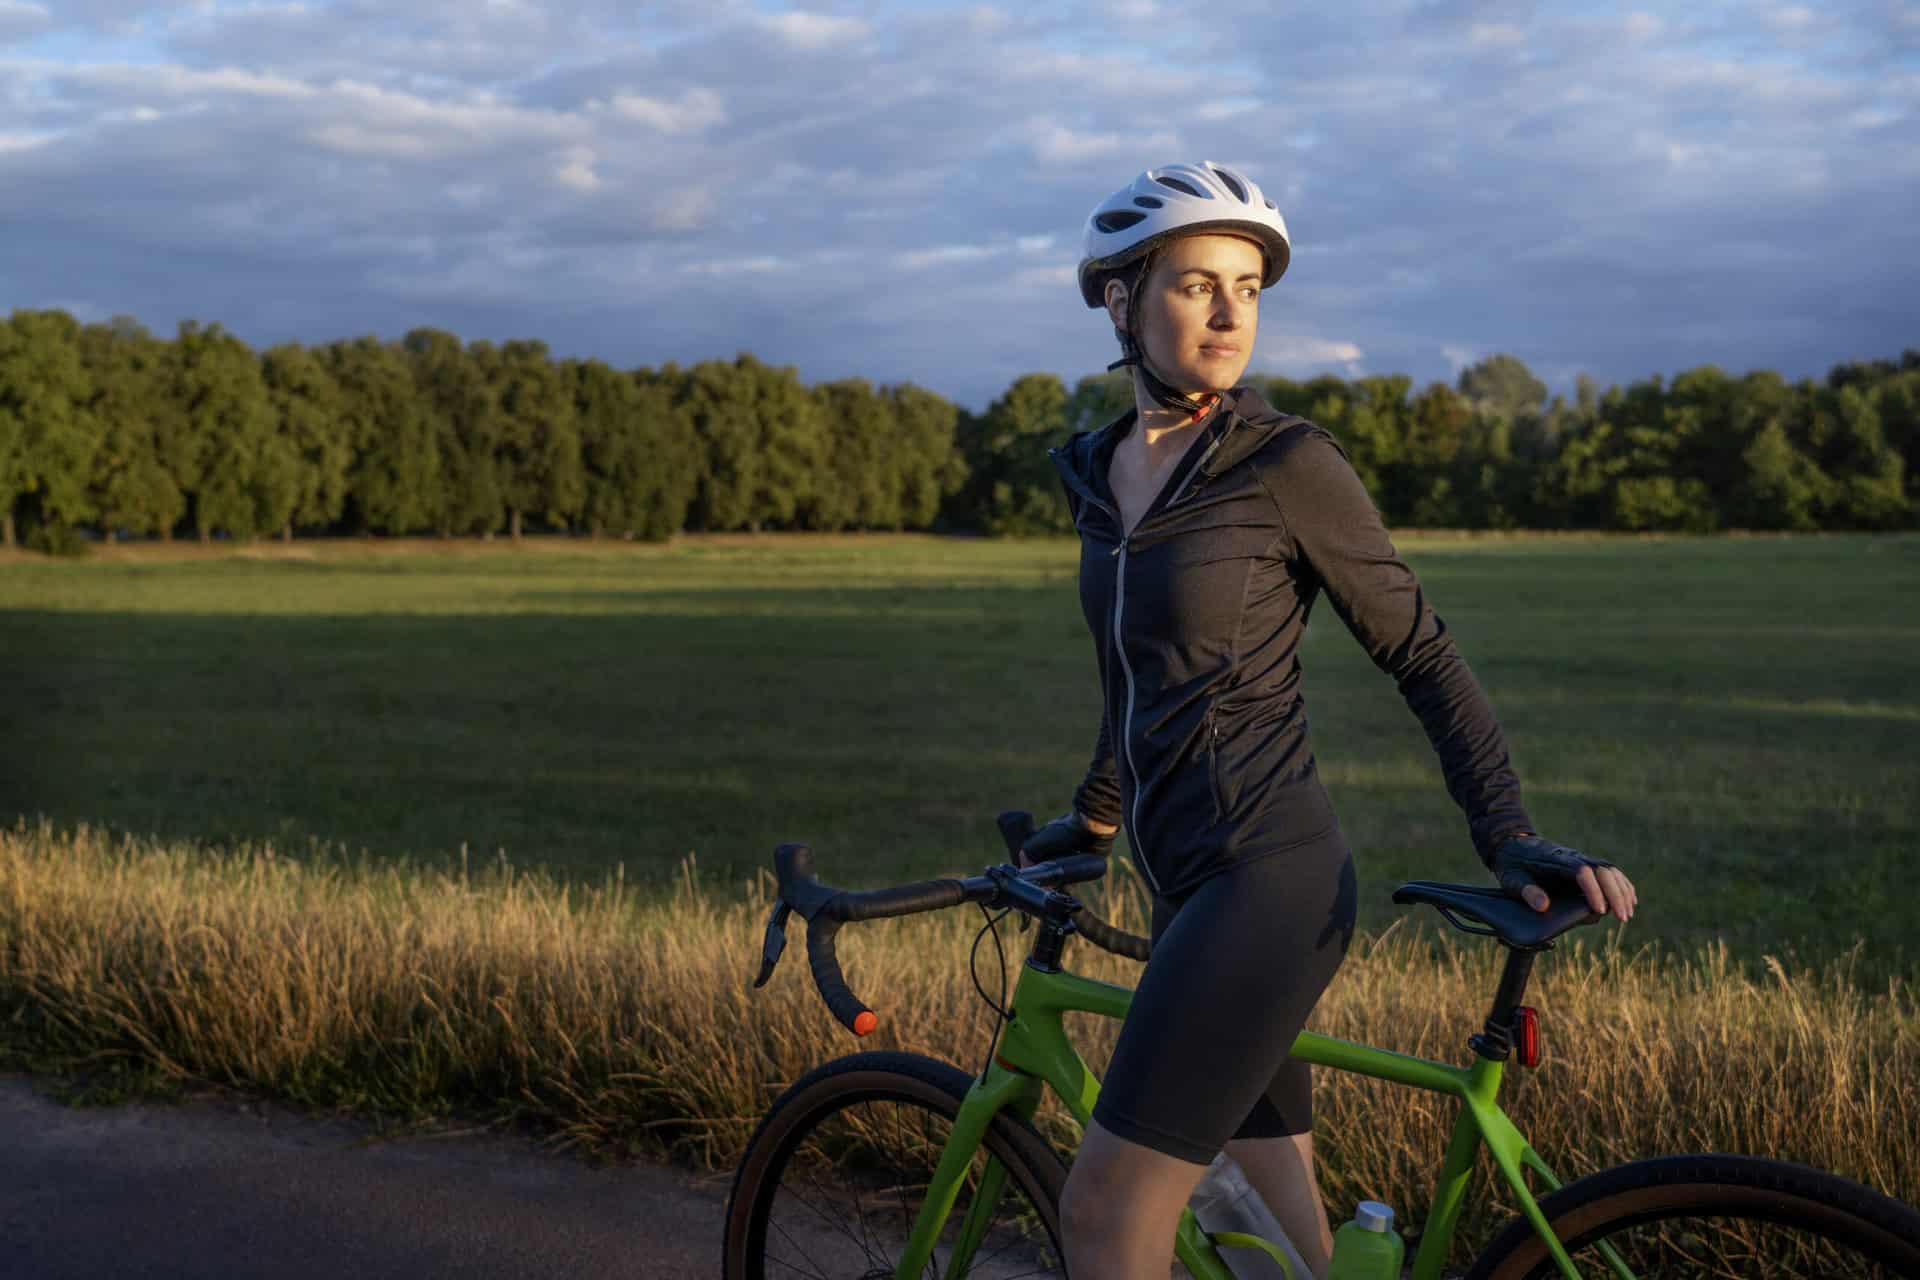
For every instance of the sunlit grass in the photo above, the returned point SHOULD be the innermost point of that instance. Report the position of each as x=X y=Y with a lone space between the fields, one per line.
x=621 y=1023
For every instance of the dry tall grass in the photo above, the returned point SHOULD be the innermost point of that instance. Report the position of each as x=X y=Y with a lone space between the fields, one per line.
x=622 y=1025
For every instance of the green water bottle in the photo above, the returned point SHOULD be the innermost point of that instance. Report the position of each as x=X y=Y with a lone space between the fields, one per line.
x=1368 y=1248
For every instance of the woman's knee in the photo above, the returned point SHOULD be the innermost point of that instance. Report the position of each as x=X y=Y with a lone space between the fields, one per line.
x=1090 y=1198
x=1119 y=1188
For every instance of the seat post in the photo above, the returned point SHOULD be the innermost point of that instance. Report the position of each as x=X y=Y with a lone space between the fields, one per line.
x=1495 y=1040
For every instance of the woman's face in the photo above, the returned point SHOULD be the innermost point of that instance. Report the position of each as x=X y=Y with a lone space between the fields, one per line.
x=1199 y=309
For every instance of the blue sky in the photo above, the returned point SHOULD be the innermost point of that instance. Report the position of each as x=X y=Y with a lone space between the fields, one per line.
x=897 y=191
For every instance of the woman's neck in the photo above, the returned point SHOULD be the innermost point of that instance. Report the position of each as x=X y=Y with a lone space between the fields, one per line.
x=1156 y=421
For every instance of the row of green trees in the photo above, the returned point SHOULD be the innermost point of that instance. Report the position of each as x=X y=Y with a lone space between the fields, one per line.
x=1707 y=451
x=109 y=429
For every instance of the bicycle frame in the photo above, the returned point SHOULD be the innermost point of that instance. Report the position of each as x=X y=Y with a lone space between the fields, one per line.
x=1034 y=1053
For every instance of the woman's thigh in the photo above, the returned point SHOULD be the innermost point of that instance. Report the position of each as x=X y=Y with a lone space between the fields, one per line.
x=1237 y=966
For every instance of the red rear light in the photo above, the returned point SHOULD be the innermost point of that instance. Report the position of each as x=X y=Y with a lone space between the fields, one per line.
x=1526 y=1035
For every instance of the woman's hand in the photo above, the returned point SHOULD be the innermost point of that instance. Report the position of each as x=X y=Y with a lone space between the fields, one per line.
x=1521 y=861
x=1068 y=833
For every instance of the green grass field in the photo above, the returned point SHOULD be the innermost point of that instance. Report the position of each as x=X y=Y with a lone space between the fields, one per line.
x=1737 y=721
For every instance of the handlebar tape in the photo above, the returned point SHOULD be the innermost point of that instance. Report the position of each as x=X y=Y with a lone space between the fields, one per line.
x=843 y=1004
x=903 y=900
x=825 y=909
x=1076 y=867
x=841 y=908
x=1107 y=938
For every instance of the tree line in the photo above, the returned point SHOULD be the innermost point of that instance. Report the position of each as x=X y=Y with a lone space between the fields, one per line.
x=109 y=431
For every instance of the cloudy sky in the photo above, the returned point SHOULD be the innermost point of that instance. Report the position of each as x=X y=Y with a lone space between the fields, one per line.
x=897 y=190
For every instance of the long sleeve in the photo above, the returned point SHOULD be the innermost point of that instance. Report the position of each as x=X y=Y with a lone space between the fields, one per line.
x=1336 y=534
x=1098 y=795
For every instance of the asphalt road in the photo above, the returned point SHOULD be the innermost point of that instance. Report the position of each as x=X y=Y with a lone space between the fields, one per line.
x=228 y=1189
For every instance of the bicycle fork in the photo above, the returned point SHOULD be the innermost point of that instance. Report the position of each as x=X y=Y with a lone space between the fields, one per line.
x=1019 y=1096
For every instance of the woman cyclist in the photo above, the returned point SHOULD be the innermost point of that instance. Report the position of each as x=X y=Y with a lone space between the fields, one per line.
x=1208 y=524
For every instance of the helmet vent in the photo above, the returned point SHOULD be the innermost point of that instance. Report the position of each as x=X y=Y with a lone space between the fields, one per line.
x=1118 y=220
x=1271 y=205
x=1233 y=184
x=1180 y=184
x=1149 y=202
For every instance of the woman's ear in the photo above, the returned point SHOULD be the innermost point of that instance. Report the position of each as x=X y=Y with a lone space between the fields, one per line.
x=1116 y=300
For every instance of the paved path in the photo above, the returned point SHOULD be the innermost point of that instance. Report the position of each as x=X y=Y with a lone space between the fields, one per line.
x=230 y=1189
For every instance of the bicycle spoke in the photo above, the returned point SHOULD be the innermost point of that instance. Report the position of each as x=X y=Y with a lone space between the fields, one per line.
x=836 y=1223
x=817 y=1273
x=860 y=1169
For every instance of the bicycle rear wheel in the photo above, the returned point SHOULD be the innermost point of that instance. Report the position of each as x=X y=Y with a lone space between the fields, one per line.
x=1715 y=1216
x=833 y=1180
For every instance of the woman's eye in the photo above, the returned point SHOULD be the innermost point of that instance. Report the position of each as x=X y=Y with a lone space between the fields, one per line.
x=1195 y=290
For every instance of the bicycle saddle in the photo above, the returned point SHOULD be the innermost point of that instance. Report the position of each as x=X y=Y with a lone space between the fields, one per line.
x=1508 y=919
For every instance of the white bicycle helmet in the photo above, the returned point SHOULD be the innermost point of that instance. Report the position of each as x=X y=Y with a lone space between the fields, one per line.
x=1177 y=199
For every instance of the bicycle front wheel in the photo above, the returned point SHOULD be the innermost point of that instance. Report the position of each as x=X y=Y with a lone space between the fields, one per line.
x=1714 y=1217
x=834 y=1178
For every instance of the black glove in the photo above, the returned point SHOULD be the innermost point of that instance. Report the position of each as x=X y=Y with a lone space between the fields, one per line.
x=1525 y=860
x=1065 y=834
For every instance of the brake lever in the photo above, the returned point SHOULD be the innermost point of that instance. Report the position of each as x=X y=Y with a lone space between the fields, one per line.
x=775 y=943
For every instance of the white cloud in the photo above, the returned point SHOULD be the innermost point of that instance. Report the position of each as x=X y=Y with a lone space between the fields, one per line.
x=1053 y=143
x=1644 y=26
x=1496 y=35
x=576 y=170
x=10 y=142
x=942 y=255
x=20 y=19
x=1299 y=353
x=1457 y=358
x=737 y=266
x=360 y=140
x=693 y=111
x=805 y=30
x=1218 y=109
x=1049 y=279
x=179 y=81
x=685 y=208
x=1874 y=118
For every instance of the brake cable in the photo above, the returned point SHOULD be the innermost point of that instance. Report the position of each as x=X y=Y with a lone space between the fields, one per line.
x=1000 y=952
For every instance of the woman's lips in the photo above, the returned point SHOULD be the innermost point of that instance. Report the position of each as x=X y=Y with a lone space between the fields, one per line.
x=1214 y=351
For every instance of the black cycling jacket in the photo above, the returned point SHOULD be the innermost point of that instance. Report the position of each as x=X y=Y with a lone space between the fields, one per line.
x=1197 y=619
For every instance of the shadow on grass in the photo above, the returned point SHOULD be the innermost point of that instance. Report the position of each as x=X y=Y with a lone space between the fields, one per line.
x=569 y=739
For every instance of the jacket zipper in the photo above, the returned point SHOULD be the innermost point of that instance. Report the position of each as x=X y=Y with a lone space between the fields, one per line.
x=1120 y=647
x=1126 y=722
x=1196 y=469
x=1213 y=765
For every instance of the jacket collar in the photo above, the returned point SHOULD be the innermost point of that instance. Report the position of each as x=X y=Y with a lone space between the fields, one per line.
x=1238 y=426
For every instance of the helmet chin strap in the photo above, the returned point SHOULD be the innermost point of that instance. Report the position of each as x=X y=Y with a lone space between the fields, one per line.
x=1132 y=354
x=1162 y=393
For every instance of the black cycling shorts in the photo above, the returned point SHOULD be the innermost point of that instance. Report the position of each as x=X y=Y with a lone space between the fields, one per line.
x=1238 y=963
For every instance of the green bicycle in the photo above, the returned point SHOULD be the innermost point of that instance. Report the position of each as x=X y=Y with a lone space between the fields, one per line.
x=899 y=1165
